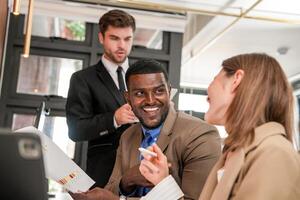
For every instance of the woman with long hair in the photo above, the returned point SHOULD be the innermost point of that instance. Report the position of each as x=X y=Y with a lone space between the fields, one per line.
x=253 y=100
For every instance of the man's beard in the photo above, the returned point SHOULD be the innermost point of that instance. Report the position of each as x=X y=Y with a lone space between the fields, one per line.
x=114 y=59
x=162 y=120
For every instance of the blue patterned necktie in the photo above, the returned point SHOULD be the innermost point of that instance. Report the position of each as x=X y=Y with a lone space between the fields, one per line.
x=147 y=141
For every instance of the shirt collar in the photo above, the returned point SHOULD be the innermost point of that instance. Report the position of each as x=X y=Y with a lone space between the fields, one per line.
x=110 y=66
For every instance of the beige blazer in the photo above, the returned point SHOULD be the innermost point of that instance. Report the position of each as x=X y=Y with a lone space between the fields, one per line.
x=191 y=145
x=268 y=169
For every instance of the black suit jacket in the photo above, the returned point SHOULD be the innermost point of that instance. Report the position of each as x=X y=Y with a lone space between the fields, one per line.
x=92 y=101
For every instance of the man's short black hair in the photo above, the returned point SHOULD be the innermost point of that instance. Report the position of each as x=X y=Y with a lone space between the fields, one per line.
x=146 y=66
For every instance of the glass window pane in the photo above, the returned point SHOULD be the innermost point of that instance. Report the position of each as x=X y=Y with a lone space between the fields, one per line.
x=43 y=75
x=197 y=103
x=55 y=127
x=22 y=120
x=45 y=26
x=194 y=102
x=148 y=38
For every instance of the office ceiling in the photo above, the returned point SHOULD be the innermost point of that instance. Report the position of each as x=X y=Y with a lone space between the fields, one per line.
x=201 y=57
x=280 y=40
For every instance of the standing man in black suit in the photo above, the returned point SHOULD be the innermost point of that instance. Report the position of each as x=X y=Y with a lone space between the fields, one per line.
x=96 y=109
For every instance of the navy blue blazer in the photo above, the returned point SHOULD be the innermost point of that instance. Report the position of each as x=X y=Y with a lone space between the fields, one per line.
x=92 y=101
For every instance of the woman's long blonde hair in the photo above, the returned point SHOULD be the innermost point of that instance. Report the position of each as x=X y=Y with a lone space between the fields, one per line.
x=264 y=95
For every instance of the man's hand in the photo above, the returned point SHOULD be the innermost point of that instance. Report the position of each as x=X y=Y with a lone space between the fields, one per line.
x=155 y=169
x=133 y=178
x=124 y=115
x=95 y=194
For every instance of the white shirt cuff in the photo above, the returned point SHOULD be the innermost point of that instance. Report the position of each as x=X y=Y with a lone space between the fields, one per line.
x=167 y=189
x=115 y=123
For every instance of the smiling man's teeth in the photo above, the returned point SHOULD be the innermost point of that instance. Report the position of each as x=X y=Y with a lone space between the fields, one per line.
x=151 y=109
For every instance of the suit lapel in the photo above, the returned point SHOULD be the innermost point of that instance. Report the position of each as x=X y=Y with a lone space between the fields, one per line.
x=134 y=145
x=233 y=166
x=109 y=83
x=166 y=131
x=212 y=180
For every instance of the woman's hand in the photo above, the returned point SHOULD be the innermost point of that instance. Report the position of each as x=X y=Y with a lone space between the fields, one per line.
x=155 y=169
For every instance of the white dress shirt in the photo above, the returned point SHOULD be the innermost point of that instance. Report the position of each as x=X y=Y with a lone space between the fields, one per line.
x=112 y=69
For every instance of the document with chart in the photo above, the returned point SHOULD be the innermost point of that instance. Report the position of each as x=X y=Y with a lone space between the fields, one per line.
x=59 y=167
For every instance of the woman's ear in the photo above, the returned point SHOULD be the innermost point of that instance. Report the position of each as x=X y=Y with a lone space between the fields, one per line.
x=237 y=79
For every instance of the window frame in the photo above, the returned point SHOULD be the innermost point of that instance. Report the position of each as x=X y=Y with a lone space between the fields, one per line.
x=89 y=51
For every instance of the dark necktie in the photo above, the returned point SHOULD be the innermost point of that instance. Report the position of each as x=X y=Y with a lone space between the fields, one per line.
x=121 y=80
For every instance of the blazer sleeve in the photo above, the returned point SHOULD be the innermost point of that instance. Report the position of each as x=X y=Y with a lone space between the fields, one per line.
x=82 y=122
x=115 y=178
x=201 y=152
x=272 y=174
